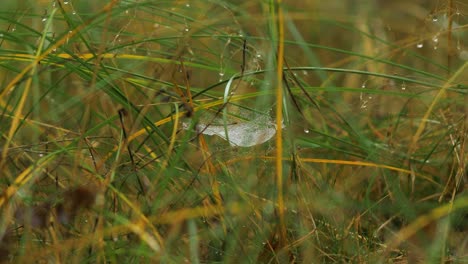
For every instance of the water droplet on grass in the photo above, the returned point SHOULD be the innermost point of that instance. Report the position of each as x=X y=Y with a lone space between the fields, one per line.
x=306 y=130
x=419 y=45
x=435 y=18
x=435 y=40
x=187 y=27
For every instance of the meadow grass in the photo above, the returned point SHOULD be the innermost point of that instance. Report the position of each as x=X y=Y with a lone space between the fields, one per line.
x=141 y=131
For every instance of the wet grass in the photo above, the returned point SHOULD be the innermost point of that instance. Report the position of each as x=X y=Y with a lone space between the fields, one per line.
x=106 y=155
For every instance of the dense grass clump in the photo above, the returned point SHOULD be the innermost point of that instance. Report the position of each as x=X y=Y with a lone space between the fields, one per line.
x=233 y=131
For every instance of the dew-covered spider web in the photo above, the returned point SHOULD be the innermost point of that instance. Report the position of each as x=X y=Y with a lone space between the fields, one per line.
x=244 y=132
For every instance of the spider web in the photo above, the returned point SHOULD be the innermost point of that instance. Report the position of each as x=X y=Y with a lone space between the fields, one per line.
x=256 y=131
